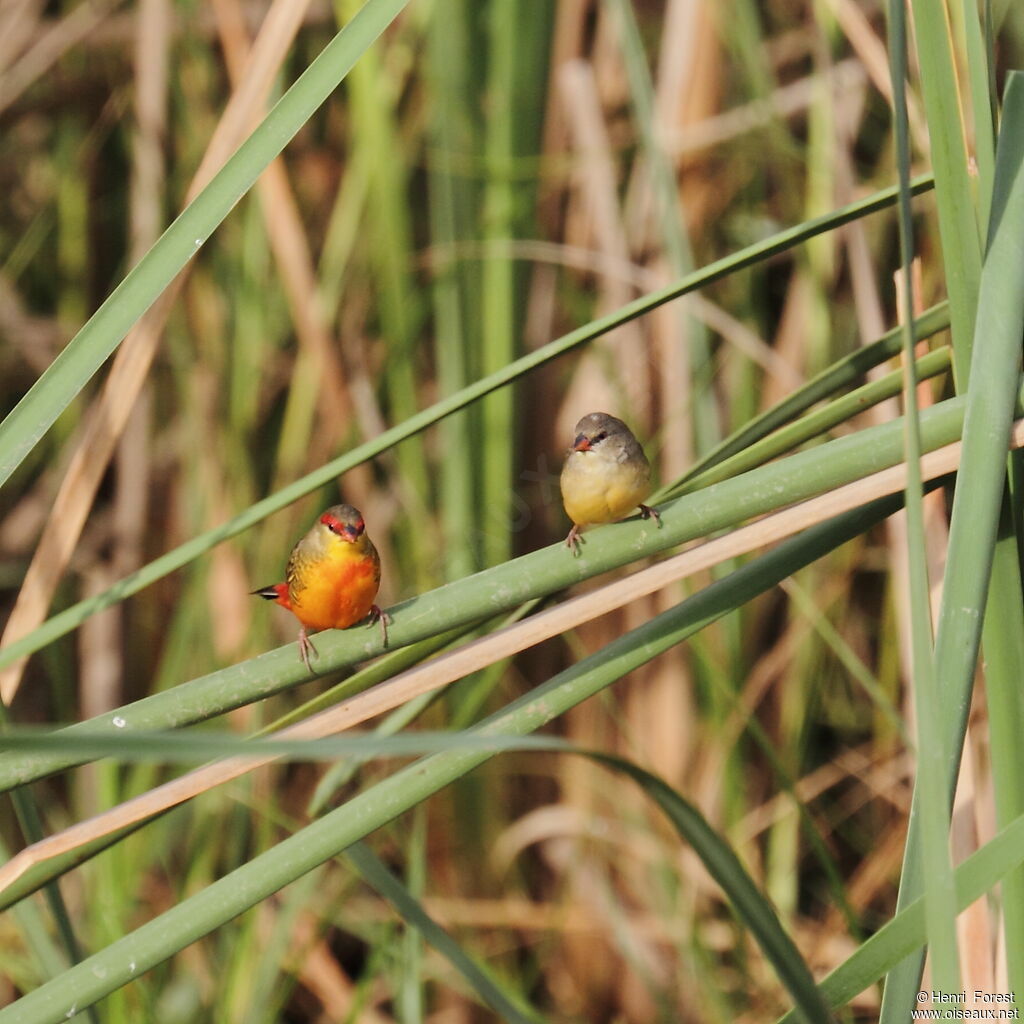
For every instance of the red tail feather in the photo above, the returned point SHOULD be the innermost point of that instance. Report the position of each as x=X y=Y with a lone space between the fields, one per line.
x=277 y=592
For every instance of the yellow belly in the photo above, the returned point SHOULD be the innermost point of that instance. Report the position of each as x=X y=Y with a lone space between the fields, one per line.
x=596 y=491
x=336 y=591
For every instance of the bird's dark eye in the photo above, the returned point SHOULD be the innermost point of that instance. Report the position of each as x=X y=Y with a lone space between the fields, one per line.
x=601 y=436
x=332 y=524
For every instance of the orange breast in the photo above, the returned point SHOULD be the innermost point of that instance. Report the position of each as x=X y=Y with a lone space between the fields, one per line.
x=335 y=592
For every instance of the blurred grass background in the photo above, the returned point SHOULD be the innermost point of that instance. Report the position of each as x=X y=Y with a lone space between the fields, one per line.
x=490 y=176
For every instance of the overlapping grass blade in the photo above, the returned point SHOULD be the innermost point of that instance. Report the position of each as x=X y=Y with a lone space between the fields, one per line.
x=982 y=94
x=814 y=424
x=267 y=873
x=1002 y=642
x=905 y=932
x=958 y=221
x=504 y=587
x=511 y=1008
x=30 y=820
x=931 y=754
x=979 y=492
x=824 y=385
x=752 y=908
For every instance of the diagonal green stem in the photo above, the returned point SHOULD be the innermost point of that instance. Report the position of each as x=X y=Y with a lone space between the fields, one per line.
x=71 y=618
x=103 y=332
x=504 y=587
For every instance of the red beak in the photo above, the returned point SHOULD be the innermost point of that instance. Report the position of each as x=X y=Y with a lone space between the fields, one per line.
x=582 y=443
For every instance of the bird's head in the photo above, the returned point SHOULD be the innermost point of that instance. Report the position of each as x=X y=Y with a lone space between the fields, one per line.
x=344 y=521
x=595 y=428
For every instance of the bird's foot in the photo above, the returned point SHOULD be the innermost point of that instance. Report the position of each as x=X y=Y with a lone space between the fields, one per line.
x=574 y=540
x=305 y=646
x=646 y=512
x=378 y=615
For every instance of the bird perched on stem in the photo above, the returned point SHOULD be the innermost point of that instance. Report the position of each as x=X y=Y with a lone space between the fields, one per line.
x=332 y=577
x=605 y=475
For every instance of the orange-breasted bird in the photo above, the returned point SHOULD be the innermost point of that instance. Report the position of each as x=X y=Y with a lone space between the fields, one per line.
x=605 y=475
x=332 y=577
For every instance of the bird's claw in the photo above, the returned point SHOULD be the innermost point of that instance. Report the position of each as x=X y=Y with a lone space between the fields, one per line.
x=646 y=511
x=305 y=646
x=377 y=614
x=574 y=540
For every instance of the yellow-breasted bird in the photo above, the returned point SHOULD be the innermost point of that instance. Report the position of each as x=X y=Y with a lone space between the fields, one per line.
x=332 y=577
x=605 y=475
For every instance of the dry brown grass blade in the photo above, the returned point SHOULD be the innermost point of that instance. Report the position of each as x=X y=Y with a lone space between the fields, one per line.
x=784 y=102
x=50 y=46
x=149 y=173
x=290 y=244
x=850 y=764
x=976 y=925
x=20 y=19
x=871 y=49
x=294 y=263
x=107 y=419
x=101 y=643
x=597 y=199
x=318 y=970
x=567 y=43
x=497 y=646
x=642 y=279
